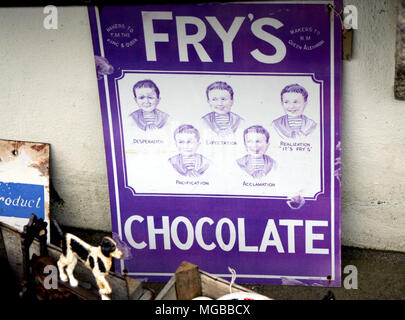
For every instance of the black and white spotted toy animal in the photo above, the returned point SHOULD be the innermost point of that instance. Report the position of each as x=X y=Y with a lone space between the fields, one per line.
x=97 y=259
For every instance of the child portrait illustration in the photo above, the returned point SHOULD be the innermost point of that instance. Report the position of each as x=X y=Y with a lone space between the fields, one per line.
x=294 y=124
x=256 y=163
x=220 y=99
x=188 y=162
x=147 y=97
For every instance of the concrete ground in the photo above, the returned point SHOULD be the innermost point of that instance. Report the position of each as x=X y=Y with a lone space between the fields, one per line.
x=381 y=276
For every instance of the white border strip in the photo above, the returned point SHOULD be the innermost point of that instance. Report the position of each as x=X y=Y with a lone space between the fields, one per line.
x=238 y=275
x=100 y=36
x=332 y=142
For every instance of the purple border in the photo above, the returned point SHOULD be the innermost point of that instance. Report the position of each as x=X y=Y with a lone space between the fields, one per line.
x=336 y=185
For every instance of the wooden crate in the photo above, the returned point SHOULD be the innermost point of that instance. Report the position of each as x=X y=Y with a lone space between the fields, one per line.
x=189 y=282
x=124 y=288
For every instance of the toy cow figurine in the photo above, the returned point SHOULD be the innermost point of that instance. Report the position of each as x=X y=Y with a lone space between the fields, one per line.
x=97 y=259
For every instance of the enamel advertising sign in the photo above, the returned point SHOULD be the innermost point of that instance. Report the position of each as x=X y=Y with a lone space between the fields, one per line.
x=24 y=182
x=222 y=135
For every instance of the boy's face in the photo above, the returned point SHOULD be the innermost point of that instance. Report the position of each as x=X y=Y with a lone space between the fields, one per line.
x=146 y=99
x=256 y=143
x=293 y=104
x=220 y=101
x=187 y=143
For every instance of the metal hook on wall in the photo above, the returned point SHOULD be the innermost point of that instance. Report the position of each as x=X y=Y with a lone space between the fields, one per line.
x=331 y=7
x=233 y=272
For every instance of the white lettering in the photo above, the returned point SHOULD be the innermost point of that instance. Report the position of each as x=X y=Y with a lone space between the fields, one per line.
x=350 y=20
x=271 y=230
x=51 y=280
x=242 y=238
x=150 y=36
x=199 y=234
x=227 y=37
x=128 y=232
x=350 y=281
x=39 y=199
x=291 y=224
x=190 y=233
x=281 y=50
x=51 y=20
x=16 y=201
x=310 y=236
x=184 y=40
x=232 y=234
x=224 y=236
x=152 y=232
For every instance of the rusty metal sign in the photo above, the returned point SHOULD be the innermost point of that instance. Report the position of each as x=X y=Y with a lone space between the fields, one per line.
x=24 y=182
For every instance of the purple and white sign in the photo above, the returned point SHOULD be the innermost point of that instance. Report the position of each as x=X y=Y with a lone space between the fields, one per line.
x=222 y=135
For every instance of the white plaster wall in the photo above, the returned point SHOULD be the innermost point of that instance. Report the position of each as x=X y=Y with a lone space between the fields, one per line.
x=48 y=93
x=373 y=134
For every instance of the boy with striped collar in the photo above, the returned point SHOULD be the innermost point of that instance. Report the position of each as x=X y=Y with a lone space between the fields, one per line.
x=256 y=163
x=188 y=162
x=294 y=99
x=147 y=97
x=221 y=120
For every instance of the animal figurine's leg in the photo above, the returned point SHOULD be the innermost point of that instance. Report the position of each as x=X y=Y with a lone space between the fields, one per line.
x=62 y=262
x=105 y=297
x=104 y=287
x=69 y=270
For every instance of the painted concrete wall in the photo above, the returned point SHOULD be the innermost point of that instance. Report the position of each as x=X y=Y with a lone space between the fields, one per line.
x=373 y=136
x=48 y=93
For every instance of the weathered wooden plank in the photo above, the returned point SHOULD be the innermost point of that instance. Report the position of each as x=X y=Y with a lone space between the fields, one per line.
x=169 y=290
x=134 y=288
x=12 y=244
x=147 y=295
x=215 y=287
x=347 y=44
x=188 y=281
x=211 y=286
